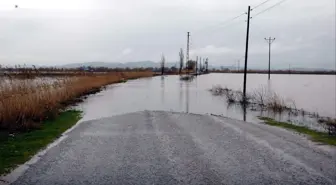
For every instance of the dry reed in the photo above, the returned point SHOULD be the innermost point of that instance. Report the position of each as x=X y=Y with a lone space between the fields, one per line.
x=25 y=103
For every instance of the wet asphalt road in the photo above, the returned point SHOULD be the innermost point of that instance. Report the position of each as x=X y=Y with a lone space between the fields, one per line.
x=155 y=147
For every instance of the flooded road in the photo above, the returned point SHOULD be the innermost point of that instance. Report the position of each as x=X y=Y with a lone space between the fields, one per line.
x=120 y=140
x=314 y=93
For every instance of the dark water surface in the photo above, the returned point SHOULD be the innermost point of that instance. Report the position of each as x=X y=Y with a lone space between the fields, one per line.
x=313 y=93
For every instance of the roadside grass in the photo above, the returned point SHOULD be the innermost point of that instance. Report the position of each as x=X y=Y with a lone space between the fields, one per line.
x=316 y=136
x=20 y=147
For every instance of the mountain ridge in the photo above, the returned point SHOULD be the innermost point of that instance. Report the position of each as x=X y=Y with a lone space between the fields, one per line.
x=139 y=64
x=149 y=64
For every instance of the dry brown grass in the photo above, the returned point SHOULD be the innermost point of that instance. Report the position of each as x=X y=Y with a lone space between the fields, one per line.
x=276 y=103
x=25 y=103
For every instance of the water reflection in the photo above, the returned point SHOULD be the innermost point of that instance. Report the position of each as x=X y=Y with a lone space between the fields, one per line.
x=169 y=93
x=242 y=108
x=162 y=89
x=187 y=96
x=180 y=93
x=269 y=86
x=244 y=112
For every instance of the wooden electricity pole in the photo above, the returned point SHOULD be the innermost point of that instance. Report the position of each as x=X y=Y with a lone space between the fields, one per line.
x=269 y=41
x=196 y=64
x=246 y=50
x=187 y=55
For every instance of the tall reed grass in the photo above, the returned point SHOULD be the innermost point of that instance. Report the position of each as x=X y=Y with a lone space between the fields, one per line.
x=25 y=103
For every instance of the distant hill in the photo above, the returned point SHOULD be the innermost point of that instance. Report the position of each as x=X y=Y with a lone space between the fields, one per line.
x=139 y=64
x=144 y=64
x=309 y=69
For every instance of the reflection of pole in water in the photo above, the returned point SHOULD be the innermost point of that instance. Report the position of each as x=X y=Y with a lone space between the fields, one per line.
x=162 y=89
x=244 y=112
x=269 y=87
x=187 y=97
x=181 y=95
x=196 y=81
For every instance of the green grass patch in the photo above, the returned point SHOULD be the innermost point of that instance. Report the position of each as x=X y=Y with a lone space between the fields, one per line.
x=122 y=81
x=20 y=147
x=316 y=136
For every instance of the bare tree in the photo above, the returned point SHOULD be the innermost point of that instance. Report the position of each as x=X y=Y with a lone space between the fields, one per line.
x=181 y=60
x=163 y=60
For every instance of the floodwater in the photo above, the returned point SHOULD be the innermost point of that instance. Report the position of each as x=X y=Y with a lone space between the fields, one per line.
x=313 y=93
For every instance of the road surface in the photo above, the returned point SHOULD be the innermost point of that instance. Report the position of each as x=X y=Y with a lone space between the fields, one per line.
x=156 y=147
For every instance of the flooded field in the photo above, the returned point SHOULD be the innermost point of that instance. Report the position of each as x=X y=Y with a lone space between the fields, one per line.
x=313 y=93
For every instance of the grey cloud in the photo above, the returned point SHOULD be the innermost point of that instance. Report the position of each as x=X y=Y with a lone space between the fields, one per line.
x=41 y=32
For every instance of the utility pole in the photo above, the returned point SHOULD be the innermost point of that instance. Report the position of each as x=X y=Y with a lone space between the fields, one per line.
x=200 y=64
x=246 y=50
x=196 y=64
x=187 y=55
x=269 y=41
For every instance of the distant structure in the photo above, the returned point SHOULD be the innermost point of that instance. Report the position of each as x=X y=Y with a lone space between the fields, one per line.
x=163 y=60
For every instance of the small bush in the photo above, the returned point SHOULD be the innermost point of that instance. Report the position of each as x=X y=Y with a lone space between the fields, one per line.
x=260 y=96
x=231 y=96
x=276 y=103
x=218 y=90
x=329 y=125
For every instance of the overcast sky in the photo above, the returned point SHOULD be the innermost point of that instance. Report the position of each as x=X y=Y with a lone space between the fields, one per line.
x=55 y=32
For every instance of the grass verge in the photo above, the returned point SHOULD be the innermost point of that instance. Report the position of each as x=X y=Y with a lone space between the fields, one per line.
x=316 y=136
x=19 y=148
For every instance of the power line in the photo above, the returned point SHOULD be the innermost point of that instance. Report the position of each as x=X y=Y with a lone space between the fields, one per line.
x=277 y=4
x=229 y=22
x=234 y=18
x=260 y=4
x=225 y=23
x=221 y=25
